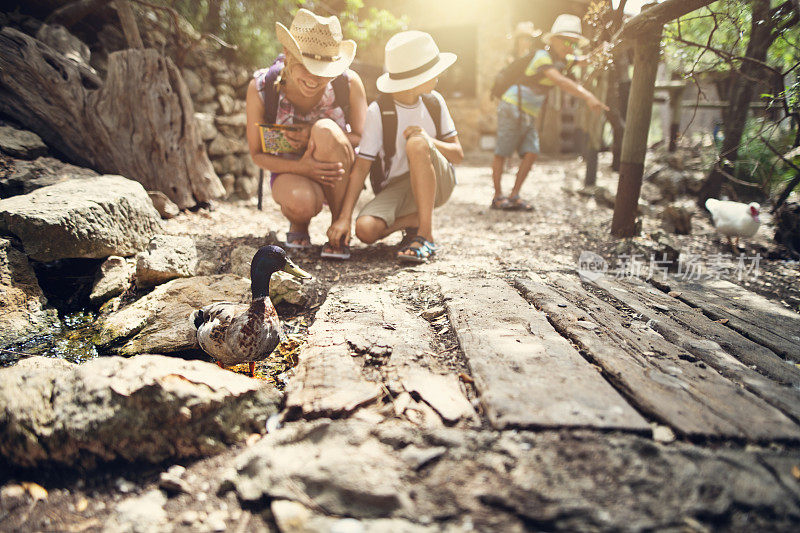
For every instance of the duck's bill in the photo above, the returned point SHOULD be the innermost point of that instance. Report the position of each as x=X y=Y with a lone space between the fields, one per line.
x=295 y=270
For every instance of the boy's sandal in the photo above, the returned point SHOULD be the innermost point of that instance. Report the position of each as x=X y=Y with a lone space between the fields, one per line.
x=298 y=240
x=515 y=203
x=329 y=252
x=499 y=202
x=421 y=254
x=408 y=235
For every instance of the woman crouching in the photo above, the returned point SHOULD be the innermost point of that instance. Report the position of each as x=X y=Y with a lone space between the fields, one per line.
x=320 y=107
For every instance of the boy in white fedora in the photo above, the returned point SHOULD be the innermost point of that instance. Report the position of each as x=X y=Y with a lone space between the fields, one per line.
x=521 y=104
x=311 y=93
x=408 y=147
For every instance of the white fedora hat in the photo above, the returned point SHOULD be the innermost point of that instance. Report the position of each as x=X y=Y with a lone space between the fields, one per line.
x=412 y=58
x=317 y=42
x=568 y=26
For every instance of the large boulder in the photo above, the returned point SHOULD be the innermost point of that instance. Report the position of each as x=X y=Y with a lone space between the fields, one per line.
x=148 y=408
x=87 y=218
x=23 y=307
x=27 y=176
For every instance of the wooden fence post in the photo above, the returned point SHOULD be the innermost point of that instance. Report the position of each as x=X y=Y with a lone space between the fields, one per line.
x=594 y=129
x=637 y=126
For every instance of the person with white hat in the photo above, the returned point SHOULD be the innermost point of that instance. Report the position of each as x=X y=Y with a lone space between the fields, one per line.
x=409 y=147
x=521 y=104
x=320 y=106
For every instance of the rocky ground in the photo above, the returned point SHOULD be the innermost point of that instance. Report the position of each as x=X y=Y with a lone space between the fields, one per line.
x=369 y=470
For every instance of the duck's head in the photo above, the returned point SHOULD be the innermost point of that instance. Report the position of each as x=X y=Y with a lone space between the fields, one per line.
x=267 y=261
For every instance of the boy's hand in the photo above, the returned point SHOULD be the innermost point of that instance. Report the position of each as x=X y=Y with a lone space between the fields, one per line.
x=298 y=138
x=596 y=105
x=339 y=230
x=326 y=174
x=410 y=131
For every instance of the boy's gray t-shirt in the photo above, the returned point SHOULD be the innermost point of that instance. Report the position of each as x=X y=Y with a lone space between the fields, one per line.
x=371 y=146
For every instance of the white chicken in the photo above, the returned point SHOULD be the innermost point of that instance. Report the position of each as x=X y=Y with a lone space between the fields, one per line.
x=734 y=219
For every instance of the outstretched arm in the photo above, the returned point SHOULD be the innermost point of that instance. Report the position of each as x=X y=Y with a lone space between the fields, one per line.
x=566 y=84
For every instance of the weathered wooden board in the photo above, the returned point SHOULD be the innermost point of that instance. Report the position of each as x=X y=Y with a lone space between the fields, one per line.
x=526 y=374
x=700 y=336
x=663 y=380
x=750 y=314
x=364 y=343
x=693 y=320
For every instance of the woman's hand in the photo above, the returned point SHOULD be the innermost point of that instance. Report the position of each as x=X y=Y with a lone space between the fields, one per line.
x=326 y=174
x=339 y=232
x=299 y=138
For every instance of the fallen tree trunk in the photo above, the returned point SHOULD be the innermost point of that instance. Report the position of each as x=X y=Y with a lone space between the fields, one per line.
x=138 y=123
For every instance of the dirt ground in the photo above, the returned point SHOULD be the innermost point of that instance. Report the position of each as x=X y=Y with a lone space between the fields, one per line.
x=472 y=239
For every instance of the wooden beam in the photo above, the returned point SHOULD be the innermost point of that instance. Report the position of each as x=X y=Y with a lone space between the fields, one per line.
x=653 y=18
x=634 y=141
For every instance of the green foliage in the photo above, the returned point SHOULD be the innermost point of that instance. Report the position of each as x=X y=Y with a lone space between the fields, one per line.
x=725 y=26
x=250 y=24
x=757 y=163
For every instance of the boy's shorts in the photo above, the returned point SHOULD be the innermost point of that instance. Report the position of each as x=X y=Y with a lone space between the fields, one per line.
x=515 y=132
x=397 y=199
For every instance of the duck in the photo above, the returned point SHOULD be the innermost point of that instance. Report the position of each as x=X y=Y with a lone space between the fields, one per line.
x=734 y=219
x=236 y=333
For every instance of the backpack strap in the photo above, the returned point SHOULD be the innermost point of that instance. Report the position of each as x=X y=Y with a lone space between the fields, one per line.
x=341 y=94
x=378 y=168
x=435 y=111
x=271 y=88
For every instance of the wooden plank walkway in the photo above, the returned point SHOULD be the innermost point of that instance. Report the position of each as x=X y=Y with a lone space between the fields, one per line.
x=750 y=314
x=553 y=352
x=662 y=379
x=527 y=375
x=737 y=358
x=365 y=344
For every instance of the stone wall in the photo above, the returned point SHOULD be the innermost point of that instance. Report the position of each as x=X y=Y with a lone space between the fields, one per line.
x=219 y=90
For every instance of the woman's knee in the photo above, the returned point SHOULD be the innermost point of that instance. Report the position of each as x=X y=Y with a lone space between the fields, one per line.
x=300 y=204
x=326 y=132
x=369 y=229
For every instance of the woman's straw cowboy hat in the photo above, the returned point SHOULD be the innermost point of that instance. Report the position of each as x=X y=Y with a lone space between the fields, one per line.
x=525 y=28
x=412 y=58
x=568 y=26
x=317 y=42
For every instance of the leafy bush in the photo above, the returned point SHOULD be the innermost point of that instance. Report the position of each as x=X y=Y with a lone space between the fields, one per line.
x=250 y=24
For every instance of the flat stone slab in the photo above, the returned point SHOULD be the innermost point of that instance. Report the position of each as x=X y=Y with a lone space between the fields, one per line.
x=160 y=322
x=147 y=408
x=527 y=375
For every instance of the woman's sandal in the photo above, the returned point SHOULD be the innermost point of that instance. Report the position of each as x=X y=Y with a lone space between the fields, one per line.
x=515 y=203
x=298 y=240
x=499 y=202
x=329 y=252
x=421 y=254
